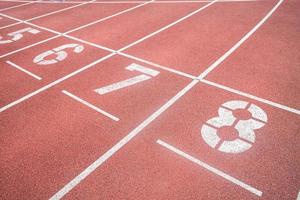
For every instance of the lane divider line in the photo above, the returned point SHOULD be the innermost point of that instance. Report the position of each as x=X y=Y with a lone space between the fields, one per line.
x=63 y=78
x=90 y=105
x=168 y=26
x=110 y=152
x=54 y=83
x=271 y=103
x=23 y=70
x=86 y=172
x=16 y=6
x=50 y=13
x=210 y=168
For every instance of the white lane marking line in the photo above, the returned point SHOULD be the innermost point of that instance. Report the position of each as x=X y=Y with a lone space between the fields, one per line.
x=74 y=182
x=50 y=13
x=64 y=34
x=126 y=2
x=54 y=83
x=210 y=168
x=122 y=84
x=61 y=10
x=168 y=26
x=86 y=172
x=240 y=42
x=23 y=70
x=29 y=46
x=108 y=17
x=271 y=103
x=91 y=105
x=16 y=6
x=9 y=25
x=157 y=65
x=298 y=198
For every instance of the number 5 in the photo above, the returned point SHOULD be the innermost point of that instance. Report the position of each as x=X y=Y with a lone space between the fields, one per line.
x=58 y=51
x=17 y=35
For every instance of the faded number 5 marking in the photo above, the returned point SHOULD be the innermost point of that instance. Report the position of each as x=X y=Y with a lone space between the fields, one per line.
x=58 y=51
x=17 y=35
x=245 y=128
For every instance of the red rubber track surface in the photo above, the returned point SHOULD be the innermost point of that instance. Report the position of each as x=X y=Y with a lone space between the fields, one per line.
x=58 y=141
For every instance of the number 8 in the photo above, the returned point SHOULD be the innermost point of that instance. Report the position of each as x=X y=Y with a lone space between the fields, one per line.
x=245 y=128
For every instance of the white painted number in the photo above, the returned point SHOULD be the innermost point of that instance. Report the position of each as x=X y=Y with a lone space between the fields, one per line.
x=58 y=51
x=17 y=35
x=245 y=128
x=137 y=79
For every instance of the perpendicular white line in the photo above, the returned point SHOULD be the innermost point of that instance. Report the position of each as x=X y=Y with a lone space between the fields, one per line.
x=23 y=70
x=16 y=6
x=74 y=182
x=240 y=42
x=271 y=103
x=91 y=105
x=210 y=168
x=168 y=26
x=54 y=83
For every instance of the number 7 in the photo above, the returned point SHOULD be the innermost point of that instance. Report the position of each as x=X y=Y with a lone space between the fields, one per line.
x=132 y=81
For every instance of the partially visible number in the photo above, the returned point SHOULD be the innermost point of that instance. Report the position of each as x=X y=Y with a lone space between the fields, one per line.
x=58 y=52
x=147 y=74
x=17 y=35
x=245 y=128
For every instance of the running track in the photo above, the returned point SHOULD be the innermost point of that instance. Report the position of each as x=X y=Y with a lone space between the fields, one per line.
x=150 y=99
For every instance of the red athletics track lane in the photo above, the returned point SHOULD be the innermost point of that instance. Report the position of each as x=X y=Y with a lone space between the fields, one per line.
x=146 y=170
x=28 y=36
x=50 y=138
x=35 y=9
x=129 y=27
x=4 y=21
x=268 y=64
x=7 y=4
x=73 y=18
x=192 y=45
x=14 y=83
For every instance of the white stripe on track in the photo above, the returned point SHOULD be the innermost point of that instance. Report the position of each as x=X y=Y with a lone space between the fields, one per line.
x=271 y=103
x=23 y=70
x=86 y=172
x=16 y=6
x=99 y=110
x=210 y=168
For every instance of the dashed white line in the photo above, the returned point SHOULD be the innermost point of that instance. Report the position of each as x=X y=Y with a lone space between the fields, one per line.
x=90 y=105
x=210 y=168
x=23 y=70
